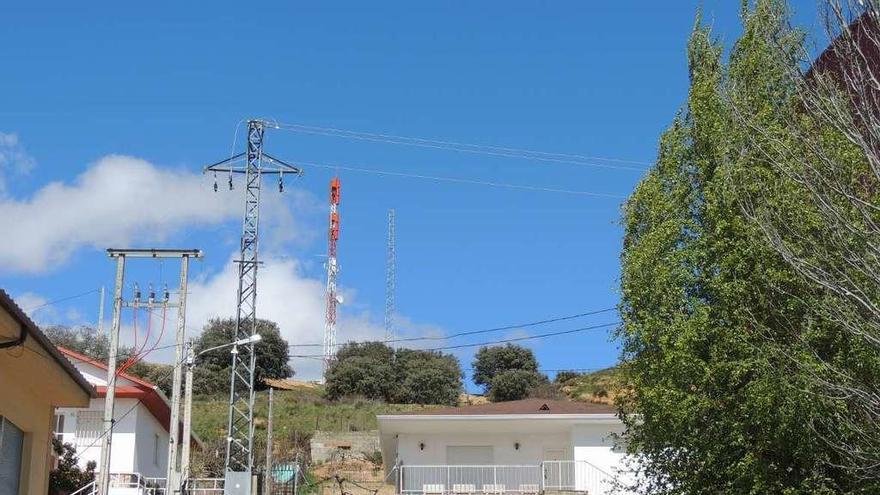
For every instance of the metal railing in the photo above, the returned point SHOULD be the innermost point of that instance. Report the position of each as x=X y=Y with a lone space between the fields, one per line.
x=465 y=480
x=205 y=486
x=562 y=476
x=579 y=476
x=134 y=483
x=88 y=489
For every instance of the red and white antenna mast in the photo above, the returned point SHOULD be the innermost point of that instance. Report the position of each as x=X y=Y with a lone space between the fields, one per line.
x=333 y=299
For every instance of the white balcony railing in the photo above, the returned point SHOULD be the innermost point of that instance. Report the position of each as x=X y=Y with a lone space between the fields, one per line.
x=575 y=476
x=578 y=476
x=466 y=480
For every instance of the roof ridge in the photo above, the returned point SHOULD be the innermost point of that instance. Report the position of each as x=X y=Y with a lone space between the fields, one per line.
x=94 y=362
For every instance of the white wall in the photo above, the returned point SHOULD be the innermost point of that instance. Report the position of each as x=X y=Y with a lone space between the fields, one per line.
x=123 y=453
x=147 y=429
x=593 y=443
x=531 y=448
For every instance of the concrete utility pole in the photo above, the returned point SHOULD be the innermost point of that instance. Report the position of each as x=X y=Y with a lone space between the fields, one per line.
x=107 y=440
x=187 y=413
x=112 y=374
x=172 y=479
x=101 y=313
x=267 y=484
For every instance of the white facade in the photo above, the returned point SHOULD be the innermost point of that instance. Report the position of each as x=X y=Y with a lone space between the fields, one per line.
x=139 y=443
x=446 y=452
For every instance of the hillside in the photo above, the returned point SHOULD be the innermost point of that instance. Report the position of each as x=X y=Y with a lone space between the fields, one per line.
x=299 y=411
x=599 y=386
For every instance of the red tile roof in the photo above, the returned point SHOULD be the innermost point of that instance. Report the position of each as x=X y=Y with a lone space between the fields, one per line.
x=525 y=406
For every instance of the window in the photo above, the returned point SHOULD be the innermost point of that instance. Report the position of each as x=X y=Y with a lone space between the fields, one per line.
x=11 y=439
x=156 y=449
x=89 y=425
x=59 y=427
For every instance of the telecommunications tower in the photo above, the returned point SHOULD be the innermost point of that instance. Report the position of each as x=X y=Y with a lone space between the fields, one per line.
x=333 y=299
x=253 y=163
x=390 y=280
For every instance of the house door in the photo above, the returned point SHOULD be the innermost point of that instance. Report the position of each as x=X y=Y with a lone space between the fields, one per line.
x=558 y=469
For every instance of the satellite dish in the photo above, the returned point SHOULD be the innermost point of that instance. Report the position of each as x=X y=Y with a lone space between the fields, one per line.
x=339 y=299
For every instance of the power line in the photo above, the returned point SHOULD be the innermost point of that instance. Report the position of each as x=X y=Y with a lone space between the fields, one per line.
x=56 y=301
x=487 y=330
x=526 y=154
x=461 y=180
x=493 y=342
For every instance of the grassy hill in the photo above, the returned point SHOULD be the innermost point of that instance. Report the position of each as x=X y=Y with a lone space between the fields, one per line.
x=302 y=410
x=599 y=386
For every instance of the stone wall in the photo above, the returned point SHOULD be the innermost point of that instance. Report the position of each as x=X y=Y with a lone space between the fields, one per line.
x=325 y=443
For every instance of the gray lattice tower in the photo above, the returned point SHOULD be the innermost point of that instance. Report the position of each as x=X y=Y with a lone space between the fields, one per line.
x=390 y=279
x=253 y=163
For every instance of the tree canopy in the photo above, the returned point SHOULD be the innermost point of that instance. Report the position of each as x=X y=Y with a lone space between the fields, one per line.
x=714 y=316
x=508 y=372
x=376 y=371
x=89 y=342
x=211 y=374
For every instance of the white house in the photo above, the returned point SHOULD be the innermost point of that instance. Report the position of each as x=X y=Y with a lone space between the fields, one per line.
x=142 y=413
x=526 y=446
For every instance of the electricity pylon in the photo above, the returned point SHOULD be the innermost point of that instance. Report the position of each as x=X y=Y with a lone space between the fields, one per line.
x=253 y=163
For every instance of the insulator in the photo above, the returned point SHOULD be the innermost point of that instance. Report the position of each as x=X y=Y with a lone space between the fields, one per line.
x=167 y=294
x=280 y=183
x=230 y=182
x=152 y=293
x=137 y=292
x=215 y=181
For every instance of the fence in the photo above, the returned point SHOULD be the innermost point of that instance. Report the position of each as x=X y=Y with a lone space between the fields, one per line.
x=470 y=479
x=575 y=476
x=580 y=476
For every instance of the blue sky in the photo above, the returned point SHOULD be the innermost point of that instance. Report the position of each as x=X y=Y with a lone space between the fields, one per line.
x=108 y=112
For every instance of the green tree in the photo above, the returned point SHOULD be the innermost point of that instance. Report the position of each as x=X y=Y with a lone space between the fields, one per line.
x=565 y=376
x=491 y=361
x=376 y=371
x=211 y=374
x=67 y=476
x=82 y=339
x=426 y=377
x=514 y=384
x=707 y=409
x=360 y=376
x=89 y=342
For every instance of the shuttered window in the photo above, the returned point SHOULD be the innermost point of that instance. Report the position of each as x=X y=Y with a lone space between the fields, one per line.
x=11 y=439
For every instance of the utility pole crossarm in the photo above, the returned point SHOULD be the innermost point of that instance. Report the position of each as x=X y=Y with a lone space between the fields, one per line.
x=155 y=253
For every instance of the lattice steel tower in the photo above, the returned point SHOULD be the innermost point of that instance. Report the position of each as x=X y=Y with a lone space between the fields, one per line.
x=253 y=163
x=390 y=279
x=333 y=299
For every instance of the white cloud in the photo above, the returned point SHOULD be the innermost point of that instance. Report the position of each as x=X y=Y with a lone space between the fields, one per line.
x=14 y=159
x=31 y=302
x=284 y=295
x=119 y=200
